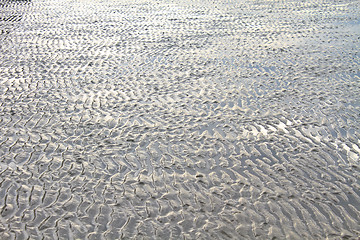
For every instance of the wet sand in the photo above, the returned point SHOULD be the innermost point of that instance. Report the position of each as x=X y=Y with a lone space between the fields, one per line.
x=179 y=119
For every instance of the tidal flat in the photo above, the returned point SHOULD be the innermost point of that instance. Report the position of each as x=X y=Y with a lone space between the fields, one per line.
x=178 y=119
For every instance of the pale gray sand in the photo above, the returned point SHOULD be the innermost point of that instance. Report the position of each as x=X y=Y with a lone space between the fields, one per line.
x=179 y=119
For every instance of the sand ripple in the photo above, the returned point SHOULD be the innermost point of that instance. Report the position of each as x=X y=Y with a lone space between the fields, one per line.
x=179 y=119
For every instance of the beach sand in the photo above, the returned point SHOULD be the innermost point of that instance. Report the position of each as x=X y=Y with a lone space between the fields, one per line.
x=179 y=119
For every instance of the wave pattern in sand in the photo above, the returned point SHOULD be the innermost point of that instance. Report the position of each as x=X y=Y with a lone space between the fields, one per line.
x=179 y=119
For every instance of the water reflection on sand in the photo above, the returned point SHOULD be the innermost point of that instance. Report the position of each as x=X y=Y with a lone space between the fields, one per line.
x=179 y=119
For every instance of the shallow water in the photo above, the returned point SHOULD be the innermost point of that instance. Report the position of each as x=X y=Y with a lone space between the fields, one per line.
x=179 y=119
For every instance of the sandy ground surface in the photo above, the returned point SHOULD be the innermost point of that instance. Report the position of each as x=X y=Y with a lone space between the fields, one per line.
x=179 y=119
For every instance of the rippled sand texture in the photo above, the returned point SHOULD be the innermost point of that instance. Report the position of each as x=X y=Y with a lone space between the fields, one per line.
x=179 y=119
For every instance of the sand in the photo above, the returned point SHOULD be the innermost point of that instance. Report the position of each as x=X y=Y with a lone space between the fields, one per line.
x=179 y=119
